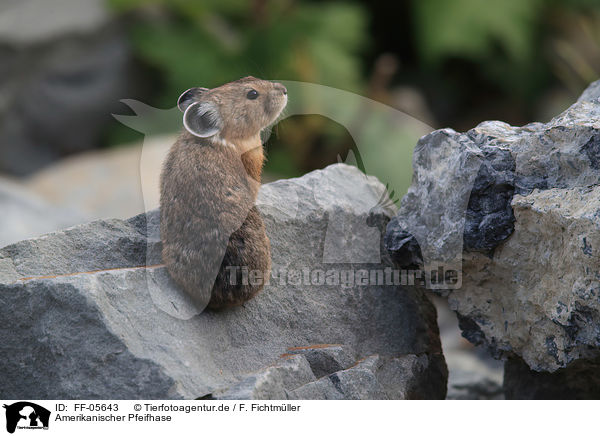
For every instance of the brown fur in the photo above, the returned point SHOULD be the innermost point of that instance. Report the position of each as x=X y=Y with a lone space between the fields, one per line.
x=208 y=190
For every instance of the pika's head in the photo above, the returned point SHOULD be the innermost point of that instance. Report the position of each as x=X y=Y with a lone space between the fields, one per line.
x=236 y=110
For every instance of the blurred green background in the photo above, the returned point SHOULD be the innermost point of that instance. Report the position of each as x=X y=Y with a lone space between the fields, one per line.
x=66 y=64
x=447 y=63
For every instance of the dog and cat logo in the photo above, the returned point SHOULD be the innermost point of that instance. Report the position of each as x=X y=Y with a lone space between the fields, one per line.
x=26 y=415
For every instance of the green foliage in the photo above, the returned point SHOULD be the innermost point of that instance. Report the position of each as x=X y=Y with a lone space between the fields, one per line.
x=471 y=28
x=481 y=58
x=500 y=38
x=211 y=42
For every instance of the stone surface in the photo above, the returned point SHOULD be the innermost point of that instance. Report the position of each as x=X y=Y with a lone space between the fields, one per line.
x=359 y=382
x=321 y=389
x=430 y=223
x=371 y=378
x=108 y=183
x=80 y=300
x=273 y=382
x=65 y=65
x=24 y=215
x=407 y=377
x=519 y=206
x=592 y=92
x=472 y=373
x=325 y=360
x=25 y=22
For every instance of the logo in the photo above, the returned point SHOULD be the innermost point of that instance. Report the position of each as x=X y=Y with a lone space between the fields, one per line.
x=26 y=415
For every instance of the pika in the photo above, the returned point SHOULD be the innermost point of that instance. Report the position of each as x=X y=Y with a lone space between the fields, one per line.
x=212 y=234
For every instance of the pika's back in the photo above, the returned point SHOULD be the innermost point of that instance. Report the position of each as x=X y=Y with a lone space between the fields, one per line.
x=207 y=181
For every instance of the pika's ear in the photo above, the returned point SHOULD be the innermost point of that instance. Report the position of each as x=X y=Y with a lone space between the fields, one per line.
x=188 y=97
x=202 y=119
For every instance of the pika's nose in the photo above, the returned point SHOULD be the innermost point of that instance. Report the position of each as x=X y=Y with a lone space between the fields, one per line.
x=280 y=87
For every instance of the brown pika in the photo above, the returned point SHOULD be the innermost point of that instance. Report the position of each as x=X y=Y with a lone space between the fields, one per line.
x=211 y=230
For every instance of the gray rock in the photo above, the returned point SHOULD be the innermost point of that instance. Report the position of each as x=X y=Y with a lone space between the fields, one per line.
x=25 y=216
x=322 y=389
x=431 y=231
x=325 y=359
x=65 y=65
x=406 y=377
x=472 y=373
x=273 y=382
x=26 y=22
x=112 y=183
x=490 y=219
x=79 y=320
x=339 y=377
x=529 y=228
x=360 y=382
x=411 y=377
x=592 y=92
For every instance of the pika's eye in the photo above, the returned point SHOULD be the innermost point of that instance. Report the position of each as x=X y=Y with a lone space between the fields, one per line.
x=252 y=94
